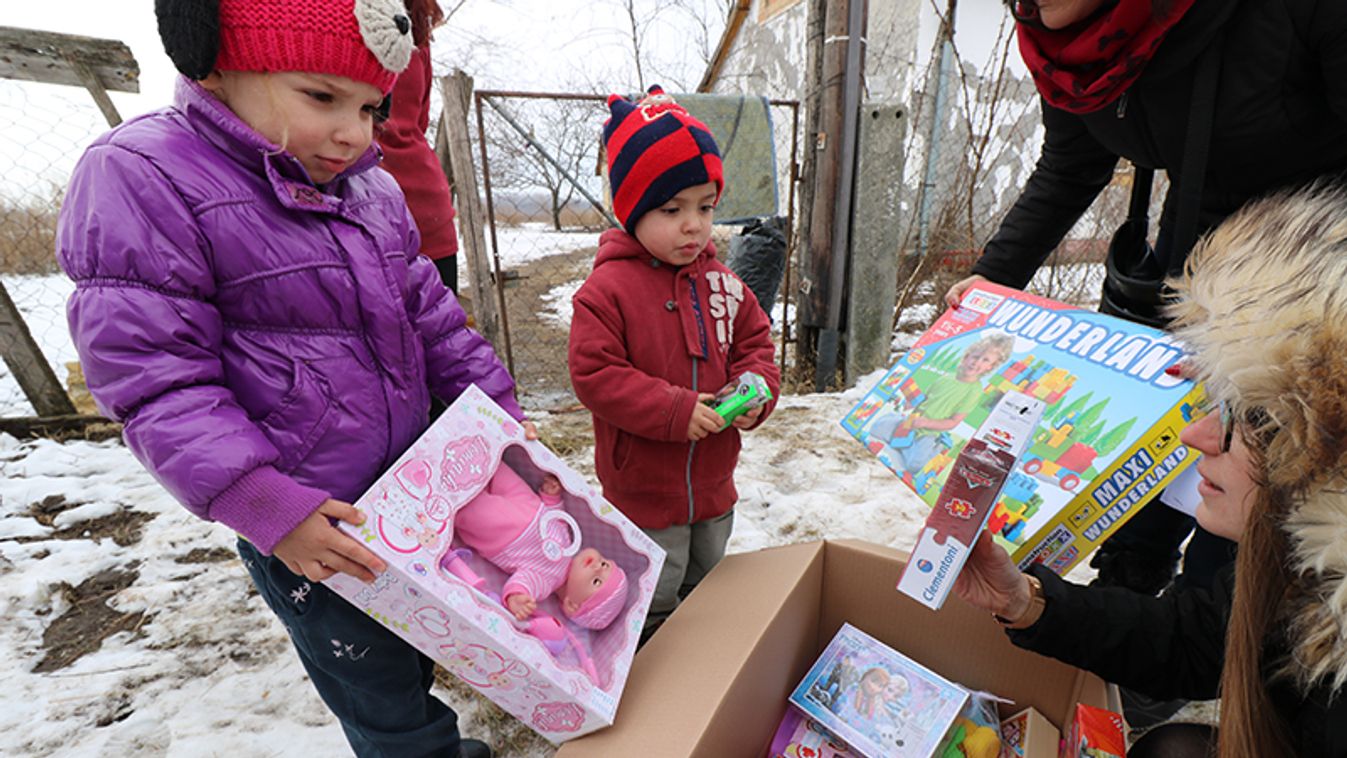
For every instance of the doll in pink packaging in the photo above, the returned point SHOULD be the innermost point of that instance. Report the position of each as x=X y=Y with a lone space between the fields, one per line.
x=529 y=536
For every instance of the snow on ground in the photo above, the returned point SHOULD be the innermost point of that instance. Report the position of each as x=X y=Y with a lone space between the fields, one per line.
x=532 y=241
x=558 y=303
x=213 y=672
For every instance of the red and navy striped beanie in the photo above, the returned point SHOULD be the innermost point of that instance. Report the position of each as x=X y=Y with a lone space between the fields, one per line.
x=655 y=150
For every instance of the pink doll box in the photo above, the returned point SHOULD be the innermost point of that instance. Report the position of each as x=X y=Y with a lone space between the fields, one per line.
x=409 y=523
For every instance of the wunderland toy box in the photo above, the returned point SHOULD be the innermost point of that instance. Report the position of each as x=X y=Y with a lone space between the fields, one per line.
x=560 y=677
x=1108 y=440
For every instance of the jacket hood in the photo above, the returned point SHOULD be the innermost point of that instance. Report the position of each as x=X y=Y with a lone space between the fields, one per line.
x=1263 y=306
x=616 y=244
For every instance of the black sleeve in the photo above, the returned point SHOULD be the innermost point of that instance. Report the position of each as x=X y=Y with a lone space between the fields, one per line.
x=1167 y=647
x=1071 y=170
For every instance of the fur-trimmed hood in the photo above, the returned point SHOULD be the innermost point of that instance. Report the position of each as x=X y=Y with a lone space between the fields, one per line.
x=1263 y=306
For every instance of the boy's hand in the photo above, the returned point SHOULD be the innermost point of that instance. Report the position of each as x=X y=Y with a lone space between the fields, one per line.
x=530 y=431
x=749 y=418
x=521 y=605
x=317 y=550
x=704 y=419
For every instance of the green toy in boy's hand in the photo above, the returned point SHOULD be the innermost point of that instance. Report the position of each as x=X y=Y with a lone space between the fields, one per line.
x=734 y=400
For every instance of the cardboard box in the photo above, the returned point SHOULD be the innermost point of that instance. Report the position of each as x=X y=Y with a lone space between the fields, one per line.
x=1028 y=734
x=1108 y=441
x=715 y=679
x=410 y=524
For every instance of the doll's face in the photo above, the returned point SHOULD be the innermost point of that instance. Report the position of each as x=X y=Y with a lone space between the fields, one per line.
x=589 y=571
x=874 y=682
x=898 y=687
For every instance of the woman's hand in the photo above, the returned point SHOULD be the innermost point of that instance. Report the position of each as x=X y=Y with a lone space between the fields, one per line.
x=317 y=550
x=530 y=431
x=991 y=581
x=955 y=293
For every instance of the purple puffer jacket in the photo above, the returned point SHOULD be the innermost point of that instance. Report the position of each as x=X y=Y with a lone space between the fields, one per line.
x=266 y=343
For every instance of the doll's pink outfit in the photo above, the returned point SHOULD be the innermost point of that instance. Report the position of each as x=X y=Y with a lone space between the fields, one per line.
x=506 y=523
x=530 y=536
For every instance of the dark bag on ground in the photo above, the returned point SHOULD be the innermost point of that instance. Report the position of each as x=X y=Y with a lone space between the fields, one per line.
x=758 y=256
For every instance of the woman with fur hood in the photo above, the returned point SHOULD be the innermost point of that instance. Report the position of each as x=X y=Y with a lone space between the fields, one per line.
x=1263 y=307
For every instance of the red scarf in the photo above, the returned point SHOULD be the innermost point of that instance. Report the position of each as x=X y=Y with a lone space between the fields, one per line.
x=1088 y=65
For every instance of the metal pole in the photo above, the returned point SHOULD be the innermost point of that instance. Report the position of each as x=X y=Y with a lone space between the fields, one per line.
x=790 y=231
x=933 y=150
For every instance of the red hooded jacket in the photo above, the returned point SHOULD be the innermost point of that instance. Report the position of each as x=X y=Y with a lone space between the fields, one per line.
x=646 y=338
x=408 y=157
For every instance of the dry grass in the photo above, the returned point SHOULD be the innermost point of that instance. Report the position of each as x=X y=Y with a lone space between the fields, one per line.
x=28 y=237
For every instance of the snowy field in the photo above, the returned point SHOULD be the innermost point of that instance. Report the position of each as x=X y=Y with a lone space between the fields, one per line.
x=204 y=668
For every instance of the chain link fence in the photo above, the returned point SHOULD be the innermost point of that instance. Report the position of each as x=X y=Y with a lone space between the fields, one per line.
x=545 y=197
x=43 y=130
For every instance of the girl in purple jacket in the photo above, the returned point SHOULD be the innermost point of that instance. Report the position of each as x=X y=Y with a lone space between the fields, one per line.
x=251 y=306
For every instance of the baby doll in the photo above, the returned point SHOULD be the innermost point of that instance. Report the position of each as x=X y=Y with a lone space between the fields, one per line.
x=530 y=536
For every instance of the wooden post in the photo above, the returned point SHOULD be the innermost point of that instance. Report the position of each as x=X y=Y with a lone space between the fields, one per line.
x=820 y=305
x=805 y=334
x=96 y=90
x=456 y=91
x=25 y=362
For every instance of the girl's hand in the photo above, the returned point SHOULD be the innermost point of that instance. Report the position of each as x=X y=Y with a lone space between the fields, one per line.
x=317 y=550
x=991 y=581
x=749 y=418
x=530 y=431
x=704 y=419
x=955 y=293
x=521 y=605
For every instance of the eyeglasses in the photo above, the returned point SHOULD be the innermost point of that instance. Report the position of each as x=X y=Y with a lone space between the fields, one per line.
x=1227 y=426
x=1255 y=419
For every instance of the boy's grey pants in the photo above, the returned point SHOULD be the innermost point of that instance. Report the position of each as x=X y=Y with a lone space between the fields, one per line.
x=692 y=550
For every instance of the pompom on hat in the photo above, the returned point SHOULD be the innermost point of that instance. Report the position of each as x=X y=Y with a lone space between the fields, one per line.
x=656 y=150
x=602 y=607
x=364 y=40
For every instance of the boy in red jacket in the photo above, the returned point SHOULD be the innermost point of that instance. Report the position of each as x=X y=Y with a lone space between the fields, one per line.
x=660 y=325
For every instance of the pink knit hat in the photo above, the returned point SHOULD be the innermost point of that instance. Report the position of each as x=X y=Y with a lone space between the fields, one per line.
x=366 y=40
x=603 y=606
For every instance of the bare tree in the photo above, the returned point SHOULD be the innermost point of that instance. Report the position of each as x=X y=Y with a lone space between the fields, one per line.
x=637 y=30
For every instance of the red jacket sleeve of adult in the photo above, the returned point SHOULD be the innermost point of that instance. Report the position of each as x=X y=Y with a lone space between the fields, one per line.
x=408 y=157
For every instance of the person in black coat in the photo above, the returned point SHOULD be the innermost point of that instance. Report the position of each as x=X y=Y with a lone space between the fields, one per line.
x=1263 y=307
x=1260 y=86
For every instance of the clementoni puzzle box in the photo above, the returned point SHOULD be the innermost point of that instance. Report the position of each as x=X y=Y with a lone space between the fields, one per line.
x=1108 y=440
x=563 y=684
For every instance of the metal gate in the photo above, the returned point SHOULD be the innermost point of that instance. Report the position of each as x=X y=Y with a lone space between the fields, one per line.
x=544 y=191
